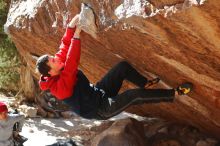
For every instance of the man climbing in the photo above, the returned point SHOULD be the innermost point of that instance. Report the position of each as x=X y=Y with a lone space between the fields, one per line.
x=61 y=76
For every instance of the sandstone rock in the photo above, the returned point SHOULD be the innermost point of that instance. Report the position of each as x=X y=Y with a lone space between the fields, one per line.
x=122 y=133
x=202 y=143
x=41 y=112
x=175 y=39
x=28 y=111
x=167 y=143
x=68 y=114
x=211 y=141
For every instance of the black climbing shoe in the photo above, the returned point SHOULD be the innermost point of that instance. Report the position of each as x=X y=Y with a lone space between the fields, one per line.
x=152 y=82
x=184 y=88
x=19 y=140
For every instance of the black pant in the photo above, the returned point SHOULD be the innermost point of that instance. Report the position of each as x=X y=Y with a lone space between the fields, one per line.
x=113 y=103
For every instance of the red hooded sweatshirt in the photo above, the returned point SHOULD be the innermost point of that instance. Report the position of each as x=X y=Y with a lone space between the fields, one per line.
x=63 y=84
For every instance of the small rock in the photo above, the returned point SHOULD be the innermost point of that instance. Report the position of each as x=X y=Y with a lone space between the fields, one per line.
x=202 y=143
x=28 y=111
x=31 y=131
x=163 y=130
x=51 y=115
x=211 y=141
x=122 y=133
x=167 y=143
x=67 y=114
x=41 y=112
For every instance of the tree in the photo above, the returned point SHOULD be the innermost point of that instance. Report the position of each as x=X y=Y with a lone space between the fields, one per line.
x=9 y=57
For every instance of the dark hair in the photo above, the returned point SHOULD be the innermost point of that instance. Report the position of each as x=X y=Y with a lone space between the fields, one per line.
x=42 y=66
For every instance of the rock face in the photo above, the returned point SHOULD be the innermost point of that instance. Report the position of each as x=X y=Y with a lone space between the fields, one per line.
x=126 y=132
x=175 y=39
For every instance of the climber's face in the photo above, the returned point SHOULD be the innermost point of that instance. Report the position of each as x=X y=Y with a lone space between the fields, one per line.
x=55 y=64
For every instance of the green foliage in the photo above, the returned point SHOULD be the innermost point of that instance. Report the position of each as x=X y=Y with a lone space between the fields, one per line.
x=3 y=14
x=9 y=57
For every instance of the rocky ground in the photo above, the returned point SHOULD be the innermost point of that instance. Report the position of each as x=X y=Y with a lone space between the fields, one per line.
x=44 y=131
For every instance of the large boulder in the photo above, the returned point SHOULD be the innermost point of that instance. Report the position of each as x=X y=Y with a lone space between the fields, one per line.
x=175 y=39
x=126 y=132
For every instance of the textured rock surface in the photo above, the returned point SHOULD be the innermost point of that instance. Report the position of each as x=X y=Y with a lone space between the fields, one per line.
x=177 y=40
x=122 y=133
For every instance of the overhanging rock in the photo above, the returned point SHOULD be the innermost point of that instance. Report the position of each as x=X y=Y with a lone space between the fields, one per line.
x=176 y=39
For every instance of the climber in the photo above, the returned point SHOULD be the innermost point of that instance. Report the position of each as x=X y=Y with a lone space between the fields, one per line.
x=61 y=76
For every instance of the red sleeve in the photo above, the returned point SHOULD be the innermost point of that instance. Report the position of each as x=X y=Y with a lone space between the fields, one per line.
x=65 y=44
x=63 y=86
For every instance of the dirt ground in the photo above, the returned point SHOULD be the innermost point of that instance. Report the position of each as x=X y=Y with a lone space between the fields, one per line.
x=45 y=131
